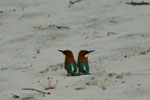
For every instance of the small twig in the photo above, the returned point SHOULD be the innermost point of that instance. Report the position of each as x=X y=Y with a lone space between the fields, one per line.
x=36 y=91
x=73 y=2
x=15 y=96
x=138 y=3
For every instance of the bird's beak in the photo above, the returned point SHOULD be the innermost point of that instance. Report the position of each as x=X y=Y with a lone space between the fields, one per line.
x=61 y=51
x=86 y=56
x=91 y=51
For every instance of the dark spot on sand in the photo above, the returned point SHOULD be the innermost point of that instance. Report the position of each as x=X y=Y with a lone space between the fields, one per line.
x=80 y=88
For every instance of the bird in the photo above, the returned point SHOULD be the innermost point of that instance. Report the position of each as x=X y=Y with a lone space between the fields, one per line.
x=70 y=63
x=83 y=61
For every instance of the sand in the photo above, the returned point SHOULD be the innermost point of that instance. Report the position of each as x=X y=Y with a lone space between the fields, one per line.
x=31 y=32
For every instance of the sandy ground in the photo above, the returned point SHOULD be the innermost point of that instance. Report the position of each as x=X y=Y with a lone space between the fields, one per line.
x=31 y=32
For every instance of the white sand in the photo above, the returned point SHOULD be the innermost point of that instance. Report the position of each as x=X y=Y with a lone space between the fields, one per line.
x=119 y=33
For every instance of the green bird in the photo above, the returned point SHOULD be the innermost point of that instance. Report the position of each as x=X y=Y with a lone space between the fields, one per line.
x=70 y=63
x=83 y=61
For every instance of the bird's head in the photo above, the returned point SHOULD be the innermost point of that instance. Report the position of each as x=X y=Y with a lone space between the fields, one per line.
x=68 y=55
x=83 y=55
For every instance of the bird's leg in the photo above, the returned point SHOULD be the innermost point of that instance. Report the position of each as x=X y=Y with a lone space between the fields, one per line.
x=80 y=73
x=88 y=74
x=68 y=74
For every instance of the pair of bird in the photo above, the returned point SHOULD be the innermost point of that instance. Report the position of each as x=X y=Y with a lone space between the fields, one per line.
x=71 y=66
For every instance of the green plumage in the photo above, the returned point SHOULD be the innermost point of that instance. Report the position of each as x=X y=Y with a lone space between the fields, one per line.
x=71 y=68
x=83 y=67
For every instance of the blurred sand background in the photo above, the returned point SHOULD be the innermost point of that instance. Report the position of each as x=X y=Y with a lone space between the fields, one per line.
x=31 y=32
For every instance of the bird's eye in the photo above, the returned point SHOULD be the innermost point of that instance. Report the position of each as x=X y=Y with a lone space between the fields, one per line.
x=86 y=56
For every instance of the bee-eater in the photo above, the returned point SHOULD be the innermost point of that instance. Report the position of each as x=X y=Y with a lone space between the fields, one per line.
x=70 y=63
x=83 y=61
